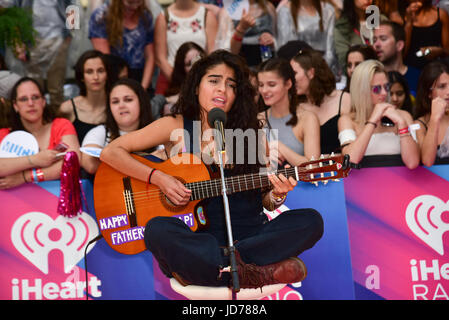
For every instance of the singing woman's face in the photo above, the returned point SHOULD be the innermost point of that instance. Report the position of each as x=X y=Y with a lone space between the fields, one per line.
x=217 y=88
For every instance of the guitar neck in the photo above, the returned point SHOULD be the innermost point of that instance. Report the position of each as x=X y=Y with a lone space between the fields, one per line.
x=234 y=184
x=322 y=169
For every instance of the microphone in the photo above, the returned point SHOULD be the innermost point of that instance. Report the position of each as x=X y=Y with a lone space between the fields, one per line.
x=216 y=119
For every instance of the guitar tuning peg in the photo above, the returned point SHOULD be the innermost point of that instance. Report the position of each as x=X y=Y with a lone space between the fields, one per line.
x=322 y=156
x=315 y=183
x=336 y=180
x=321 y=165
x=325 y=182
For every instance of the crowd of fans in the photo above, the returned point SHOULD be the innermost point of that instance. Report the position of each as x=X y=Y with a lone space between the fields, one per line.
x=326 y=79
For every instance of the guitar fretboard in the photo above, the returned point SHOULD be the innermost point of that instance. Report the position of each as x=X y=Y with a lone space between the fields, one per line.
x=213 y=188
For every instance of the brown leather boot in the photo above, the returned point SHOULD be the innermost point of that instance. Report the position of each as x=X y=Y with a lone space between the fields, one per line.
x=180 y=279
x=290 y=270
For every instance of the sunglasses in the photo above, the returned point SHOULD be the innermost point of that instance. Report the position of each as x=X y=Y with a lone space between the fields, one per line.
x=378 y=89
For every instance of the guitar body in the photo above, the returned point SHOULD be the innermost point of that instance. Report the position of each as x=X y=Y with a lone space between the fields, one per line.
x=124 y=205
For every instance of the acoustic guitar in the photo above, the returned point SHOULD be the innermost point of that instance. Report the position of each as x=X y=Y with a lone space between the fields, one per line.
x=124 y=205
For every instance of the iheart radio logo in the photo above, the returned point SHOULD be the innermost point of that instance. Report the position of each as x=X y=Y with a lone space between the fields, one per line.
x=428 y=217
x=36 y=234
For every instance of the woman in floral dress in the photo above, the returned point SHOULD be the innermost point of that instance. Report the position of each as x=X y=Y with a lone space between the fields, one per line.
x=182 y=21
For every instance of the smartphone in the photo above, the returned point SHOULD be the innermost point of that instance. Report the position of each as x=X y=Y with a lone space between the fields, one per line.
x=386 y=122
x=61 y=147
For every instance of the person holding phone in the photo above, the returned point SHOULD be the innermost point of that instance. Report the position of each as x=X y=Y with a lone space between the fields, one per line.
x=29 y=112
x=361 y=131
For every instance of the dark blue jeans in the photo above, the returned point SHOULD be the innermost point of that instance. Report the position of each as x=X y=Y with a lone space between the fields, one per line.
x=197 y=257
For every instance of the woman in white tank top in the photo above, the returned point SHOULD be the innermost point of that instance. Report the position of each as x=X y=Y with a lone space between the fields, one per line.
x=361 y=132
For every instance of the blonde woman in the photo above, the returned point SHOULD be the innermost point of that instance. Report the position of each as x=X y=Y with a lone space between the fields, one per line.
x=361 y=131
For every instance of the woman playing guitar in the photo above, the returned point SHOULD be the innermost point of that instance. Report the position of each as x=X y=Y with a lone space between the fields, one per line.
x=266 y=252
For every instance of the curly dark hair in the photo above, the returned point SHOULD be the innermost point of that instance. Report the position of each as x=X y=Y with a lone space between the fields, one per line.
x=323 y=82
x=283 y=68
x=243 y=112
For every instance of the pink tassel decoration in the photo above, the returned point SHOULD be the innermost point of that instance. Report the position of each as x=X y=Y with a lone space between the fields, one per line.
x=71 y=187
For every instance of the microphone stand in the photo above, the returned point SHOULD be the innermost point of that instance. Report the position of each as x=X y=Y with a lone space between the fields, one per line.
x=221 y=150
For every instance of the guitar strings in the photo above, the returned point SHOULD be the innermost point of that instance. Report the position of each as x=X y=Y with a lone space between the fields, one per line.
x=208 y=188
x=203 y=187
x=199 y=189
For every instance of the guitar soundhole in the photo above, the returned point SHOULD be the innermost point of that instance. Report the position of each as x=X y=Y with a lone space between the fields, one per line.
x=168 y=204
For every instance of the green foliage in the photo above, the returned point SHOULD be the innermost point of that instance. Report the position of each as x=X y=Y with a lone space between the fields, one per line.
x=16 y=27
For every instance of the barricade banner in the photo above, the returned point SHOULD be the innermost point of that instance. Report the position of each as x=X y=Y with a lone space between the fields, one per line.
x=42 y=252
x=384 y=238
x=398 y=220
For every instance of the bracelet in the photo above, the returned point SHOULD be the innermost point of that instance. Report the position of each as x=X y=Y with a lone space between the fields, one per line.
x=373 y=123
x=403 y=131
x=149 y=177
x=278 y=198
x=237 y=38
x=33 y=176
x=405 y=135
x=40 y=175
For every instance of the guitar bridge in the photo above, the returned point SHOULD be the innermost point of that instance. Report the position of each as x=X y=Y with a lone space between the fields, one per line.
x=129 y=202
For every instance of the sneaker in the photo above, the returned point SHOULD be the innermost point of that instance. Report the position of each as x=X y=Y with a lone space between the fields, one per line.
x=290 y=270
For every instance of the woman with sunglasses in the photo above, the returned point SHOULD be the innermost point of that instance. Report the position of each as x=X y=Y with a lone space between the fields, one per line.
x=432 y=112
x=361 y=132
x=29 y=112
